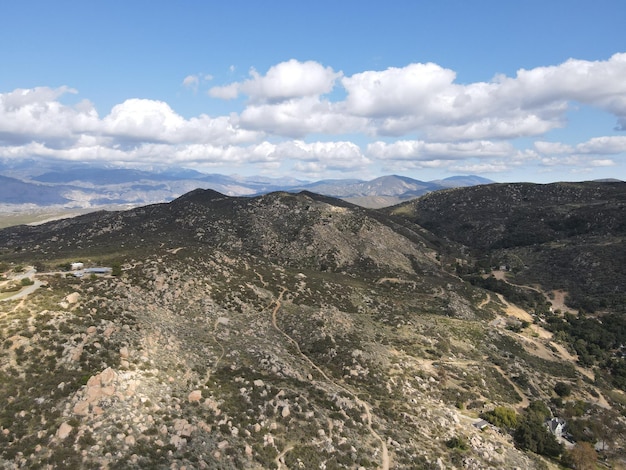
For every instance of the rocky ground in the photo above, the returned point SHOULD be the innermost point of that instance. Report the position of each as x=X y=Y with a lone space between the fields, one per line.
x=278 y=332
x=165 y=366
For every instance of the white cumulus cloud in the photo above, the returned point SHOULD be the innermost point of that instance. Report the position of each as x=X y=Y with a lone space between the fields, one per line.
x=305 y=117
x=38 y=115
x=286 y=80
x=398 y=91
x=604 y=145
x=421 y=150
x=300 y=117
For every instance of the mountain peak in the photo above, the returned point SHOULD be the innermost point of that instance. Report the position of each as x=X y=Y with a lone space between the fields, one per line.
x=200 y=195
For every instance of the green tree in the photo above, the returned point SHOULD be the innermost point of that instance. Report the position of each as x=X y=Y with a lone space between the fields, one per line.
x=39 y=266
x=538 y=409
x=116 y=269
x=606 y=427
x=562 y=389
x=532 y=434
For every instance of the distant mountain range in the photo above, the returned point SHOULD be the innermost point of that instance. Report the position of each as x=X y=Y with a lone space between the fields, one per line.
x=82 y=186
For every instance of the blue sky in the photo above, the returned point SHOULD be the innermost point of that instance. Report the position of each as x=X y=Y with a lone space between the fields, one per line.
x=513 y=91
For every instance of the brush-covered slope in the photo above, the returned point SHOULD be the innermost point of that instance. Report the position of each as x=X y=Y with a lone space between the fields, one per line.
x=569 y=236
x=284 y=331
x=303 y=230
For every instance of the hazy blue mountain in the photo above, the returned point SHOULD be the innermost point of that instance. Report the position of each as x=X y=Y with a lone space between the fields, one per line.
x=14 y=191
x=87 y=185
x=462 y=181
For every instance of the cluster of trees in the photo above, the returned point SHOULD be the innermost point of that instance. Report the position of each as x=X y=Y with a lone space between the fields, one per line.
x=596 y=341
x=532 y=434
x=563 y=389
x=528 y=429
x=585 y=425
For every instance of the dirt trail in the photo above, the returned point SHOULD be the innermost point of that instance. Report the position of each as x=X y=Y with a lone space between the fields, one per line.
x=25 y=291
x=565 y=354
x=541 y=332
x=358 y=401
x=485 y=302
x=279 y=463
x=260 y=276
x=539 y=348
x=539 y=343
x=514 y=310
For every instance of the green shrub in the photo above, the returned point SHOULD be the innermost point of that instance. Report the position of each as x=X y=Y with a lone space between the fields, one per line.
x=562 y=389
x=502 y=417
x=457 y=442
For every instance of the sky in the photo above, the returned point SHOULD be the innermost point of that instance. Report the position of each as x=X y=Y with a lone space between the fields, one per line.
x=508 y=90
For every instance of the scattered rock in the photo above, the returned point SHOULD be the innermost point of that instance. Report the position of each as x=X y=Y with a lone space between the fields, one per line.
x=183 y=428
x=178 y=442
x=81 y=408
x=64 y=431
x=108 y=376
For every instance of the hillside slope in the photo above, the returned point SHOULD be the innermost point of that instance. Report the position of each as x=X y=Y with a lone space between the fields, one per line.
x=283 y=331
x=569 y=236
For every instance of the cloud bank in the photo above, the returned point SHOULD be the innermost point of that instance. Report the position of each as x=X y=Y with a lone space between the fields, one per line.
x=306 y=118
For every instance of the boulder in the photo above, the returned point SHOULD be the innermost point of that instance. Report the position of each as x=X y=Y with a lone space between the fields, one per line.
x=64 y=431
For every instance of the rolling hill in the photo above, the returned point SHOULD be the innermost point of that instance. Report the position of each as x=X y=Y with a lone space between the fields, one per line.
x=281 y=331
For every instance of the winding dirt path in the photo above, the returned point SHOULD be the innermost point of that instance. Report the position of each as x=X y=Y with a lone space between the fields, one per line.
x=279 y=464
x=485 y=302
x=358 y=401
x=24 y=291
x=260 y=276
